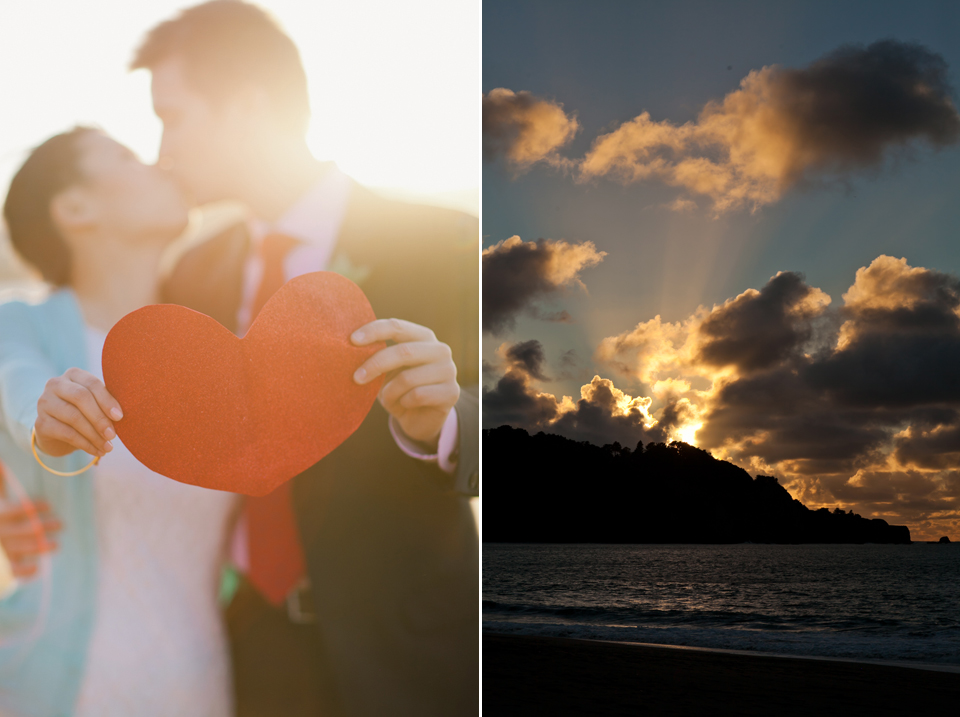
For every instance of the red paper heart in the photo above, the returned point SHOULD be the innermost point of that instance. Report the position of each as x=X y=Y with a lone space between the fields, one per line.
x=204 y=407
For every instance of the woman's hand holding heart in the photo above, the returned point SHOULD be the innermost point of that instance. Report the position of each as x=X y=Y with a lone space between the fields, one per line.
x=76 y=412
x=420 y=384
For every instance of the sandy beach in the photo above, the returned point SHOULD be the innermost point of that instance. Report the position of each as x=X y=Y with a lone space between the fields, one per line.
x=527 y=675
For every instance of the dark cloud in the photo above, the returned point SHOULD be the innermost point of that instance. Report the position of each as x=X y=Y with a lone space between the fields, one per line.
x=894 y=364
x=517 y=274
x=897 y=369
x=523 y=128
x=933 y=447
x=842 y=113
x=777 y=418
x=514 y=401
x=900 y=343
x=528 y=355
x=762 y=328
x=848 y=107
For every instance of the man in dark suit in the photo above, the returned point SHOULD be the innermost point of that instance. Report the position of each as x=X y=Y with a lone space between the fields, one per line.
x=362 y=573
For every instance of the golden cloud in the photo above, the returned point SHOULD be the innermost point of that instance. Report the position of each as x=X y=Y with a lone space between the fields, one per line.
x=857 y=406
x=782 y=126
x=602 y=414
x=524 y=129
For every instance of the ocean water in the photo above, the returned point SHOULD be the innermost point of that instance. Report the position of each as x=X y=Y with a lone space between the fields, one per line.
x=879 y=602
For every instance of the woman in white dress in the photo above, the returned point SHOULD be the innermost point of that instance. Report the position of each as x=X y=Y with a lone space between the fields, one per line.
x=115 y=611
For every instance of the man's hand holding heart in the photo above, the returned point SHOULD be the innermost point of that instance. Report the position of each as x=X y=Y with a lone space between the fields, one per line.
x=420 y=385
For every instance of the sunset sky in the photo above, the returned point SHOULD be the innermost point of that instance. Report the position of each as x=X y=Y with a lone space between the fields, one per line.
x=734 y=224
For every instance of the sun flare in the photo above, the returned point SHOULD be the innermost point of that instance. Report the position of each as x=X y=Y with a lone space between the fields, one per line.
x=392 y=89
x=688 y=433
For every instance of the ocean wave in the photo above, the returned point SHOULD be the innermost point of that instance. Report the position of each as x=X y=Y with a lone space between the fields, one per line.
x=643 y=617
x=832 y=601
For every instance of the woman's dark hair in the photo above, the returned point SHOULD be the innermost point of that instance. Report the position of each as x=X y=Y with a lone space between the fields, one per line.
x=50 y=169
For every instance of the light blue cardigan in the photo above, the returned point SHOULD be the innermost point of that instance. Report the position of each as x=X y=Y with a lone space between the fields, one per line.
x=42 y=676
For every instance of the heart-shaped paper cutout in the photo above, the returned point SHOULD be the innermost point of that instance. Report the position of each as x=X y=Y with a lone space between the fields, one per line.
x=204 y=407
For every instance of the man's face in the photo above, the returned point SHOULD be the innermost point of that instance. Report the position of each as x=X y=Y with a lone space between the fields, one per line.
x=129 y=198
x=200 y=145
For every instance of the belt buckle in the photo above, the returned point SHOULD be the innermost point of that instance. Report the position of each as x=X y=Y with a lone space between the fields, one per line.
x=300 y=604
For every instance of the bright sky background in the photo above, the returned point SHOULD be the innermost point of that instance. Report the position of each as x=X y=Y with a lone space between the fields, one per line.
x=393 y=86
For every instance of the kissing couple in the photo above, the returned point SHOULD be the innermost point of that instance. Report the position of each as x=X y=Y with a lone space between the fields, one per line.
x=352 y=588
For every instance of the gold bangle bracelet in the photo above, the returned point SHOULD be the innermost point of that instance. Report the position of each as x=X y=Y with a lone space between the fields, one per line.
x=33 y=446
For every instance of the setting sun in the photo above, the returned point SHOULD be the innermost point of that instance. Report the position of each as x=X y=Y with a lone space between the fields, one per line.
x=688 y=433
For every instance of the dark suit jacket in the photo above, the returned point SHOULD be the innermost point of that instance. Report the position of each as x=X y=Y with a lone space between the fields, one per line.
x=391 y=547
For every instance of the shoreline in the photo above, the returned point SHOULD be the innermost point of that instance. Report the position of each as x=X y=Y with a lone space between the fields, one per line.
x=931 y=666
x=527 y=674
x=937 y=653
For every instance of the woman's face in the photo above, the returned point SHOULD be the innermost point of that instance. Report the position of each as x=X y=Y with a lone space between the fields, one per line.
x=131 y=200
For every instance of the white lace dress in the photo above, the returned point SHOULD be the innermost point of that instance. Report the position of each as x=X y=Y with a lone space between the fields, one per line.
x=159 y=645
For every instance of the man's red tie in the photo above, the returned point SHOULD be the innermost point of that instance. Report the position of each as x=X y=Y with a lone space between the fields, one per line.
x=273 y=543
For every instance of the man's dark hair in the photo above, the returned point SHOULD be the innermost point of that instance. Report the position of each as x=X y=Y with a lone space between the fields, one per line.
x=227 y=44
x=50 y=169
